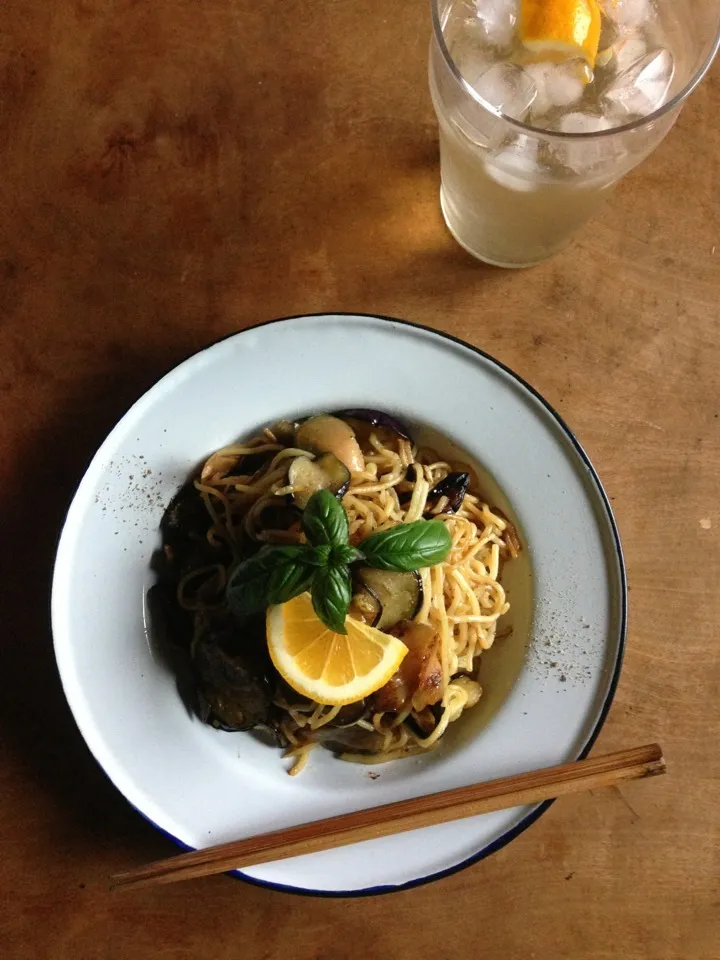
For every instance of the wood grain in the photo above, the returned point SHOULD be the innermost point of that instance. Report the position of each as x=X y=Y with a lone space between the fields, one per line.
x=176 y=170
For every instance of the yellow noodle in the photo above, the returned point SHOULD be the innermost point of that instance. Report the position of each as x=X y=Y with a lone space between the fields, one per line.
x=405 y=451
x=437 y=579
x=473 y=619
x=424 y=611
x=385 y=451
x=252 y=447
x=290 y=453
x=462 y=597
x=386 y=480
x=465 y=586
x=263 y=484
x=301 y=755
x=494 y=561
x=322 y=715
x=402 y=716
x=453 y=702
x=418 y=501
x=209 y=491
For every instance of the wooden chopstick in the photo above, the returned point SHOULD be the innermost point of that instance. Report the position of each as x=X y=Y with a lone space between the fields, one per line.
x=405 y=815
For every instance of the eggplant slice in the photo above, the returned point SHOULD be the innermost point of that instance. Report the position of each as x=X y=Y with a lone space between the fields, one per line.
x=393 y=596
x=454 y=486
x=233 y=673
x=352 y=738
x=230 y=694
x=376 y=418
x=364 y=605
x=307 y=476
x=183 y=529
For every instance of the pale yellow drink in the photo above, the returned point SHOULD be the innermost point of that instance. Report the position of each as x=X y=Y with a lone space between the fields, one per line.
x=529 y=150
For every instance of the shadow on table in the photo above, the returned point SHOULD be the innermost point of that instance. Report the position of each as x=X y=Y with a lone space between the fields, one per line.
x=36 y=725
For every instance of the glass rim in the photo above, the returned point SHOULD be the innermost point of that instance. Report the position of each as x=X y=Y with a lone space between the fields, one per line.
x=527 y=128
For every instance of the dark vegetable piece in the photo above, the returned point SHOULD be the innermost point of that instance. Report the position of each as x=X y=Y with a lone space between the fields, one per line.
x=352 y=738
x=376 y=418
x=231 y=670
x=454 y=486
x=398 y=595
x=307 y=476
x=185 y=517
x=288 y=696
x=230 y=695
x=280 y=516
x=350 y=714
x=171 y=625
x=422 y=723
x=183 y=529
x=250 y=463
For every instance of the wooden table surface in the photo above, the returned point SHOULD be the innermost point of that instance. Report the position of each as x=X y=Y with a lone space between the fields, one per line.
x=176 y=170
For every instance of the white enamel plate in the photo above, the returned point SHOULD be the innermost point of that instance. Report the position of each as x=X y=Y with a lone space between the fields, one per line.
x=547 y=688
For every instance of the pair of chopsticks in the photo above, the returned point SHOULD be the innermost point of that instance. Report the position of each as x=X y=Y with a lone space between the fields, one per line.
x=533 y=787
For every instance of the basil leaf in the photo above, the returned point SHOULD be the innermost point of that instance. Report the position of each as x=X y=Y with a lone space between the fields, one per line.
x=248 y=590
x=344 y=554
x=288 y=580
x=324 y=520
x=331 y=595
x=408 y=546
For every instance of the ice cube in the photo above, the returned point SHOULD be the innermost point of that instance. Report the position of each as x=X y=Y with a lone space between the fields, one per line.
x=508 y=88
x=516 y=166
x=497 y=19
x=473 y=66
x=628 y=51
x=627 y=13
x=582 y=155
x=583 y=123
x=558 y=85
x=642 y=87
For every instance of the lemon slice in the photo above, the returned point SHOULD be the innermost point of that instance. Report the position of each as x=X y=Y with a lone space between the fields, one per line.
x=560 y=30
x=329 y=667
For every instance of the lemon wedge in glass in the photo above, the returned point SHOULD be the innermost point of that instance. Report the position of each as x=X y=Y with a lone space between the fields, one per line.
x=560 y=30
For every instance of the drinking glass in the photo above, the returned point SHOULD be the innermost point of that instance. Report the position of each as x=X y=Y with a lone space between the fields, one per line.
x=512 y=194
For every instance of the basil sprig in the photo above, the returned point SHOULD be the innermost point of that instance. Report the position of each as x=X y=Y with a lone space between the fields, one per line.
x=277 y=574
